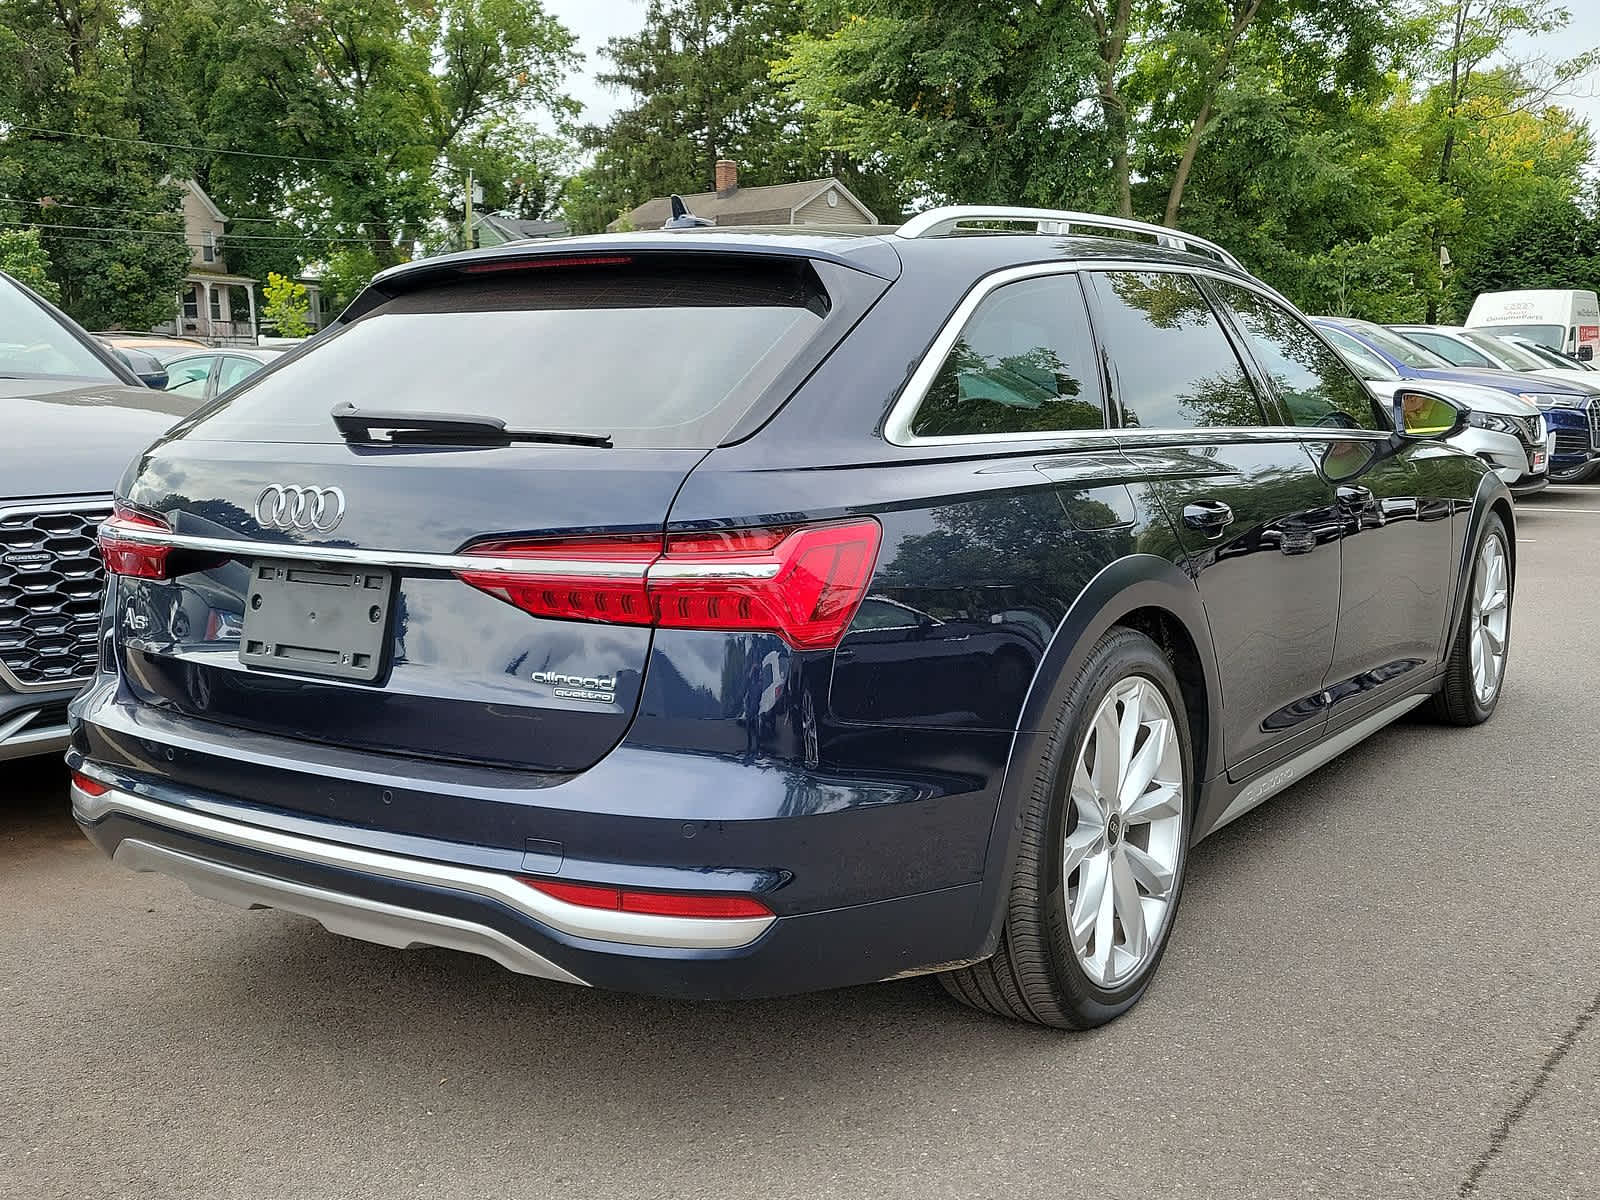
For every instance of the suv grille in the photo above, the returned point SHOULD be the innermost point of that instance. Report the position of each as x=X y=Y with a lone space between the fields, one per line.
x=1593 y=410
x=51 y=579
x=1570 y=441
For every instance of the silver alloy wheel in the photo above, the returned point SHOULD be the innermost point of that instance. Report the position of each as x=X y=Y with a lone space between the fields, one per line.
x=1491 y=617
x=1122 y=853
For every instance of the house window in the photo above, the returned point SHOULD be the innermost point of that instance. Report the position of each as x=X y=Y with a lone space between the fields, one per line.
x=208 y=246
x=191 y=303
x=216 y=304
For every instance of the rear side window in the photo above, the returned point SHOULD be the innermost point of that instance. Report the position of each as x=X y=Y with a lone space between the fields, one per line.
x=1024 y=364
x=1457 y=353
x=1314 y=384
x=1175 y=367
x=661 y=355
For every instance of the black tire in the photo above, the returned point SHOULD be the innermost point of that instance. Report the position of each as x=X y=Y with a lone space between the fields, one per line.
x=1035 y=976
x=1457 y=701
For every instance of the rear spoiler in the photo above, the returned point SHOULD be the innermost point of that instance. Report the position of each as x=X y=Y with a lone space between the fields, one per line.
x=868 y=255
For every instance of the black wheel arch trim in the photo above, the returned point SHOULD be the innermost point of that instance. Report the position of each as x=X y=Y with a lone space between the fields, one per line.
x=1129 y=585
x=1492 y=498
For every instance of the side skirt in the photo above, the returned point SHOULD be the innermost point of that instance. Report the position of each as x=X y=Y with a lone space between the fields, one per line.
x=1276 y=779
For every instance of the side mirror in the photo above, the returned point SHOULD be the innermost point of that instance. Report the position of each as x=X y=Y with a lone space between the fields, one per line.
x=146 y=366
x=1420 y=414
x=1585 y=353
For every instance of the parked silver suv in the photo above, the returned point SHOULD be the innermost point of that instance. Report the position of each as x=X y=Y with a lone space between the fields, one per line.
x=75 y=417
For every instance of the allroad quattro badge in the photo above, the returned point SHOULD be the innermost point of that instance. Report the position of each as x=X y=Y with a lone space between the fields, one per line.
x=601 y=689
x=290 y=506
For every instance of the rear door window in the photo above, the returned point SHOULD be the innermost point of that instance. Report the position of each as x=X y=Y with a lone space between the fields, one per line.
x=1456 y=353
x=188 y=376
x=1314 y=385
x=1023 y=364
x=663 y=355
x=1175 y=367
x=234 y=370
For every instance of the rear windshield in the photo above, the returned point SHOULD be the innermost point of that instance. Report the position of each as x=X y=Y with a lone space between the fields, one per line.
x=1550 y=335
x=1513 y=355
x=1400 y=348
x=663 y=355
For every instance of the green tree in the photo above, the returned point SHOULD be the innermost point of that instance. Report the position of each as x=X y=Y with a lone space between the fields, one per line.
x=345 y=273
x=24 y=258
x=980 y=102
x=366 y=109
x=286 y=305
x=87 y=90
x=700 y=77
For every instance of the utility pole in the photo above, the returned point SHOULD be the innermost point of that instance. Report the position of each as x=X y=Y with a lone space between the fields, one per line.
x=466 y=232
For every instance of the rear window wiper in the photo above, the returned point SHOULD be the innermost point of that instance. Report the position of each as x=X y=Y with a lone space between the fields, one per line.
x=436 y=429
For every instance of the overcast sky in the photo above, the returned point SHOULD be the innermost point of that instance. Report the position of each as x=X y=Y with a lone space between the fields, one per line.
x=596 y=20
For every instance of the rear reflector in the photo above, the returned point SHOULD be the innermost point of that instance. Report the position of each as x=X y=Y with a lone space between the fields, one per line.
x=803 y=583
x=658 y=904
x=89 y=787
x=135 y=560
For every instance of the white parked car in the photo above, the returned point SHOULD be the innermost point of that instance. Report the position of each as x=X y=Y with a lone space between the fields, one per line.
x=1509 y=434
x=1552 y=357
x=1480 y=348
x=1564 y=319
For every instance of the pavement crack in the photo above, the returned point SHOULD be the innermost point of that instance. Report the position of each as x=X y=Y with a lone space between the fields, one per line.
x=1502 y=1133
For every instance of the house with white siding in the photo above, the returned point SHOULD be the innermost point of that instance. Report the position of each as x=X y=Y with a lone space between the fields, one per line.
x=807 y=202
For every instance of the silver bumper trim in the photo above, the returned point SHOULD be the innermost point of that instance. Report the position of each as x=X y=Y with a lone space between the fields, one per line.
x=337 y=912
x=17 y=740
x=599 y=924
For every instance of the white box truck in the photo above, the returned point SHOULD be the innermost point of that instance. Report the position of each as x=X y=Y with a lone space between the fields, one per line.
x=1564 y=320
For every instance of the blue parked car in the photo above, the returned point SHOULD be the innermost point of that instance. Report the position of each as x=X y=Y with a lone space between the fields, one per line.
x=1570 y=409
x=711 y=613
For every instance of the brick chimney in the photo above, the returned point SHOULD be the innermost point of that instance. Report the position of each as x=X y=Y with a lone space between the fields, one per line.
x=727 y=176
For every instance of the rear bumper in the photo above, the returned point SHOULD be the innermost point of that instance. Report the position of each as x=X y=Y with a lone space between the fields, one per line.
x=213 y=846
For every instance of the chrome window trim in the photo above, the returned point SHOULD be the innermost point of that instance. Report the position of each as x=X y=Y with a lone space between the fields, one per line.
x=450 y=564
x=600 y=924
x=897 y=425
x=85 y=505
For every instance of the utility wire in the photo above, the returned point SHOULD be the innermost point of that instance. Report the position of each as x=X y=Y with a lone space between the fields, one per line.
x=138 y=212
x=235 y=237
x=106 y=137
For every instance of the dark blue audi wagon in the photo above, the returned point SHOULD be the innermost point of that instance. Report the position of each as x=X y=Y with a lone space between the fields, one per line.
x=727 y=613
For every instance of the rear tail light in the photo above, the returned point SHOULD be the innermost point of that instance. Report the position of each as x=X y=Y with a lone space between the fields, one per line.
x=133 y=559
x=803 y=583
x=89 y=787
x=659 y=904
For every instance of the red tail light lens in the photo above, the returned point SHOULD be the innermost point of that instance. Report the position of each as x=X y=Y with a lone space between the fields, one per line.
x=803 y=583
x=579 y=580
x=135 y=560
x=659 y=904
x=89 y=787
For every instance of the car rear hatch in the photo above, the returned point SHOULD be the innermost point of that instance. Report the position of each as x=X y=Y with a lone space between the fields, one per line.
x=429 y=535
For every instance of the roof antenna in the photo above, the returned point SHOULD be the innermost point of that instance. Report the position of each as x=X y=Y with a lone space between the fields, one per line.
x=682 y=218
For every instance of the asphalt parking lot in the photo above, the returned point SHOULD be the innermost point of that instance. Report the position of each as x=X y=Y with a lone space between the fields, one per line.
x=1384 y=983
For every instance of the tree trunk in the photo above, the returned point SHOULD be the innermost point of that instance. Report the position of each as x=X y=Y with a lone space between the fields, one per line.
x=1112 y=34
x=1202 y=119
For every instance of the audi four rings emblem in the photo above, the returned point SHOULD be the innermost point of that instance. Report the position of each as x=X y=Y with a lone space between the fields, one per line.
x=308 y=509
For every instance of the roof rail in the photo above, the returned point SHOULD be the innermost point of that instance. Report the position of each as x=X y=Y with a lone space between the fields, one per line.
x=942 y=222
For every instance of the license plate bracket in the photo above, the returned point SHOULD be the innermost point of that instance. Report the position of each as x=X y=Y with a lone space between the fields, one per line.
x=313 y=619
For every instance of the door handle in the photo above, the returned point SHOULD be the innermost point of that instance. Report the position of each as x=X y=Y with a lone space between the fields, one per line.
x=1208 y=516
x=1353 y=496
